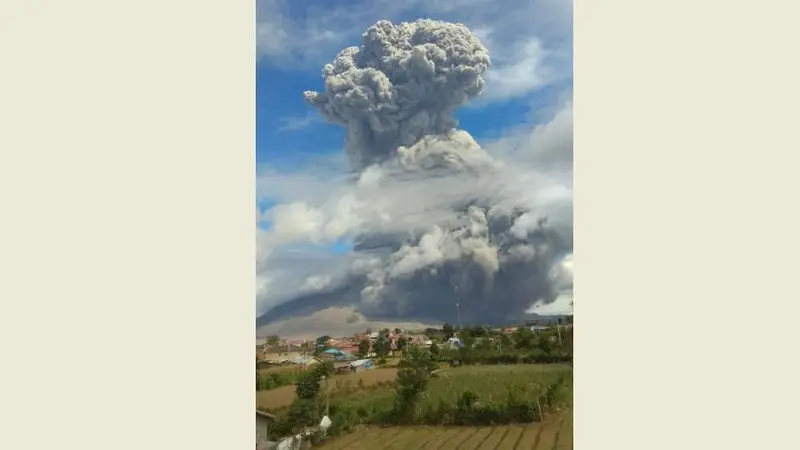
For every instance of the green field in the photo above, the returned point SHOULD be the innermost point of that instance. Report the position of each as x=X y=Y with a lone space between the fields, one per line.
x=553 y=434
x=492 y=384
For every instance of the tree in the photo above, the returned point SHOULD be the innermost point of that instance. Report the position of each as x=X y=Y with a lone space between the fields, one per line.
x=402 y=343
x=434 y=349
x=413 y=377
x=323 y=340
x=505 y=342
x=304 y=412
x=524 y=338
x=484 y=344
x=398 y=331
x=308 y=384
x=273 y=340
x=363 y=348
x=448 y=331
x=381 y=346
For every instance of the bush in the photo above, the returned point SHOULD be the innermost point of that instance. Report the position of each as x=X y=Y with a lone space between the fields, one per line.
x=303 y=413
x=412 y=379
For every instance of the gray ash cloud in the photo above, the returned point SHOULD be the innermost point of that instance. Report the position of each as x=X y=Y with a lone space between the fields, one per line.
x=434 y=212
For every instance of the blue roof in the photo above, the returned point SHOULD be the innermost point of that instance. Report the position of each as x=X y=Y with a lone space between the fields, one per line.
x=332 y=351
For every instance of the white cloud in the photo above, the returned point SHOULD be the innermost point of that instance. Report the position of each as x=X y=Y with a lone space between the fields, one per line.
x=522 y=72
x=535 y=172
x=294 y=221
x=562 y=305
x=317 y=282
x=299 y=123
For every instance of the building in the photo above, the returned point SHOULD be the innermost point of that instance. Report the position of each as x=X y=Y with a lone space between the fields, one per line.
x=455 y=342
x=362 y=365
x=282 y=354
x=306 y=361
x=335 y=354
x=420 y=340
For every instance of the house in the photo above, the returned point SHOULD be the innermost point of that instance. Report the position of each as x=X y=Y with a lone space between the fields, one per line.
x=455 y=342
x=334 y=353
x=262 y=431
x=420 y=340
x=342 y=366
x=362 y=365
x=306 y=361
x=265 y=364
x=282 y=354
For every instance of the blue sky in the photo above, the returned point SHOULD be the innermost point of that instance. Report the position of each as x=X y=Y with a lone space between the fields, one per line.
x=293 y=47
x=300 y=158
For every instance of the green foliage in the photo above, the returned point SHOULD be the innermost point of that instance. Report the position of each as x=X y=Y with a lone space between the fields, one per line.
x=381 y=346
x=412 y=378
x=304 y=412
x=308 y=384
x=477 y=396
x=434 y=349
x=324 y=368
x=524 y=338
x=464 y=406
x=363 y=348
x=505 y=342
x=448 y=331
x=272 y=380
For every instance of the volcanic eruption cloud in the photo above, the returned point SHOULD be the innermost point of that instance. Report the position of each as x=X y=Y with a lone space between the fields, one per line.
x=435 y=219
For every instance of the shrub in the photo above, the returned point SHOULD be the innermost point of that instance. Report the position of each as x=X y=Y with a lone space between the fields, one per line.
x=412 y=379
x=303 y=413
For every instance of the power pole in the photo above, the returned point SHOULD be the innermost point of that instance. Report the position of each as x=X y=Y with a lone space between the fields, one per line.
x=458 y=308
x=327 y=398
x=558 y=330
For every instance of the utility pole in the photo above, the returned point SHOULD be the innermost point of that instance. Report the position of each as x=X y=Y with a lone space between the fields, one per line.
x=327 y=397
x=558 y=330
x=458 y=308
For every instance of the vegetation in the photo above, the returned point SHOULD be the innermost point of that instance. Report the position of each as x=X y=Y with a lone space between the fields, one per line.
x=413 y=377
x=477 y=395
x=363 y=348
x=523 y=377
x=266 y=380
x=555 y=433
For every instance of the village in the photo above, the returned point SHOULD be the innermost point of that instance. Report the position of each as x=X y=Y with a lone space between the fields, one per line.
x=357 y=353
x=359 y=374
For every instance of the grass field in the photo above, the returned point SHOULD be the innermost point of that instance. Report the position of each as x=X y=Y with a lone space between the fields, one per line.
x=284 y=396
x=553 y=434
x=490 y=383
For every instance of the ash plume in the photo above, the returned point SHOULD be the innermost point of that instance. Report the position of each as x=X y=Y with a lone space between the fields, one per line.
x=401 y=86
x=434 y=216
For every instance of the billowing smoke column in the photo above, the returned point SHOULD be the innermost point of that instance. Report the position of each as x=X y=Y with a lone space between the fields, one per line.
x=401 y=86
x=396 y=96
